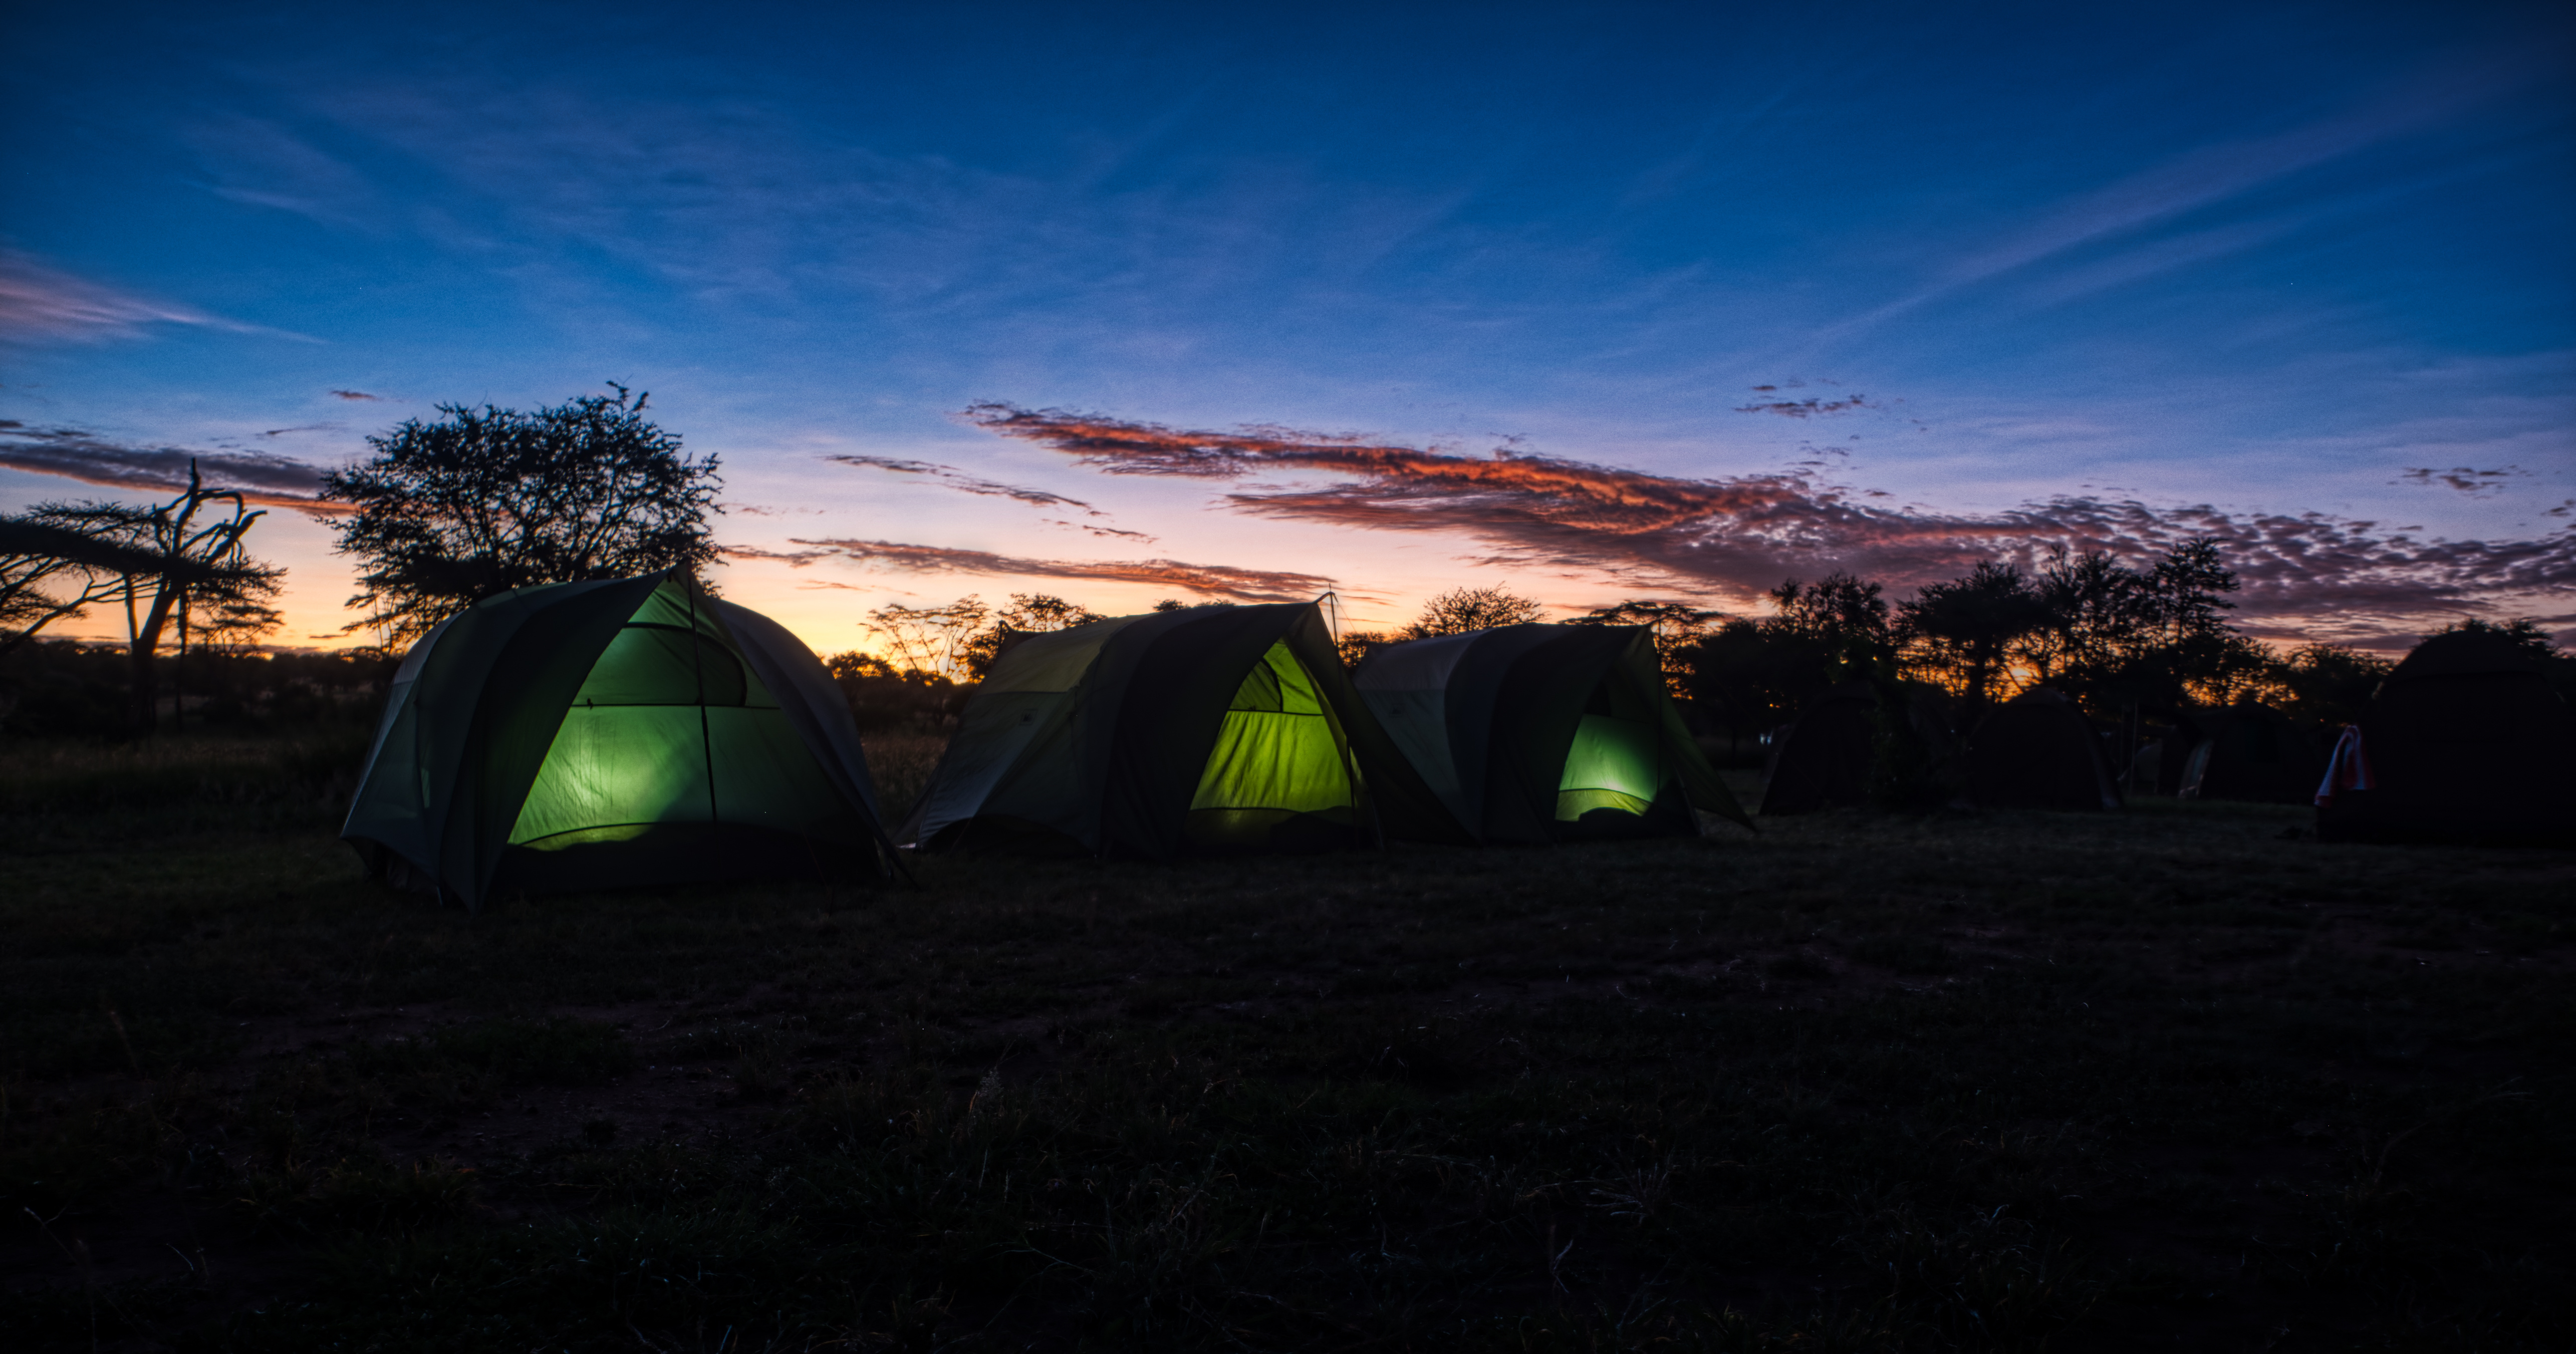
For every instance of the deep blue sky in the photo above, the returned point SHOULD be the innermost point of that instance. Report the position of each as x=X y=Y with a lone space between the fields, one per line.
x=2091 y=272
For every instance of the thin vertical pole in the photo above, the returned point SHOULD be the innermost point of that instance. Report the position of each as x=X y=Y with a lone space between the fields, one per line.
x=697 y=666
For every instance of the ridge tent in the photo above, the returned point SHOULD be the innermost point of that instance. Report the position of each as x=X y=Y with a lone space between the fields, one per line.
x=1546 y=732
x=1206 y=729
x=593 y=735
x=2252 y=753
x=2465 y=741
x=2038 y=751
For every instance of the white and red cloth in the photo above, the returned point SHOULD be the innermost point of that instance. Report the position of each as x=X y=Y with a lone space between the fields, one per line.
x=2347 y=769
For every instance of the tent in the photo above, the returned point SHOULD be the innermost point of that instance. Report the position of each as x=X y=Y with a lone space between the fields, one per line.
x=2250 y=752
x=1202 y=730
x=1831 y=754
x=2038 y=751
x=1546 y=732
x=1822 y=761
x=592 y=735
x=2465 y=741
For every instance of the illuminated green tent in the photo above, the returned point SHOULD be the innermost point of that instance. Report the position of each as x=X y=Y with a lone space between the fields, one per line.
x=1547 y=732
x=593 y=735
x=1207 y=729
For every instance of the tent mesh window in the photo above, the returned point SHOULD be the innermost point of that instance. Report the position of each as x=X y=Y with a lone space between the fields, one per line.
x=670 y=728
x=1280 y=758
x=1616 y=760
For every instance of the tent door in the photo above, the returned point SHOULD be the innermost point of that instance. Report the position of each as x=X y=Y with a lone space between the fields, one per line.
x=1280 y=773
x=1615 y=762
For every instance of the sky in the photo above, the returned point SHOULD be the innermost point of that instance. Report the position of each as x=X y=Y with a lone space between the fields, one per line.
x=1243 y=303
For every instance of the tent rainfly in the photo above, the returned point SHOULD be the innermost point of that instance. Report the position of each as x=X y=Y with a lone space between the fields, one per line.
x=1822 y=761
x=596 y=735
x=1209 y=729
x=2250 y=752
x=2038 y=751
x=2464 y=742
x=1535 y=733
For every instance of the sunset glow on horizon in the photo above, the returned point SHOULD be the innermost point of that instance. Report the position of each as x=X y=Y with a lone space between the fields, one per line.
x=1226 y=307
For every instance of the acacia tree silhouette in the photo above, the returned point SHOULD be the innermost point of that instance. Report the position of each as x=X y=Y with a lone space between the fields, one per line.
x=485 y=500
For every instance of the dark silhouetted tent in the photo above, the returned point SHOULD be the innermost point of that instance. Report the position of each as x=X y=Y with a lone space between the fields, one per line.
x=2465 y=741
x=1822 y=761
x=2038 y=751
x=2252 y=753
x=1546 y=732
x=594 y=735
x=1207 y=729
x=1834 y=756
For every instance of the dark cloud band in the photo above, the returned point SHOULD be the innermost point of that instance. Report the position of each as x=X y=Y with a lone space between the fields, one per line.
x=967 y=484
x=1206 y=580
x=2304 y=573
x=74 y=454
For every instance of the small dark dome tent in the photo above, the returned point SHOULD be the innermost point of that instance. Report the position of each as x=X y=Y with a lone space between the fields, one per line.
x=1206 y=729
x=2252 y=753
x=2465 y=741
x=1822 y=761
x=2038 y=751
x=596 y=735
x=1536 y=733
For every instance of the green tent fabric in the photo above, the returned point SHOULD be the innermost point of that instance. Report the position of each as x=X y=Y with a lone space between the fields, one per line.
x=1207 y=729
x=593 y=735
x=1535 y=733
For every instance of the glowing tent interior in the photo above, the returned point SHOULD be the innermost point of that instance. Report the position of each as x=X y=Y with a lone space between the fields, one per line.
x=1207 y=729
x=594 y=735
x=1546 y=732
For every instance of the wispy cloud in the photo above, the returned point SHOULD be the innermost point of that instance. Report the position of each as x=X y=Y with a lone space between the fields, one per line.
x=1807 y=408
x=964 y=483
x=42 y=304
x=76 y=454
x=264 y=164
x=1745 y=533
x=2463 y=478
x=1207 y=580
x=356 y=395
x=2216 y=174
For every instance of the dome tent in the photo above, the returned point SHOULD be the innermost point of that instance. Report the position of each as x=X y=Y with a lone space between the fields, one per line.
x=1220 y=728
x=600 y=734
x=2465 y=742
x=2252 y=753
x=1546 y=732
x=2038 y=751
x=1822 y=761
x=1842 y=752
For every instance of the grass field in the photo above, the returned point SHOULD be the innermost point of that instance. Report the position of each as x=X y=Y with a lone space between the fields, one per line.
x=2175 y=1078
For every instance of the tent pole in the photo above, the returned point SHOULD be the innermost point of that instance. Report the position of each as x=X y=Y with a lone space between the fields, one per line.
x=697 y=669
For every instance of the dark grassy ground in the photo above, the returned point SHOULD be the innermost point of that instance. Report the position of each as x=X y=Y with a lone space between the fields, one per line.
x=2168 y=1079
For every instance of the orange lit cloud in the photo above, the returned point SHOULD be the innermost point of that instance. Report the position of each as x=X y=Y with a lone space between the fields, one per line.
x=1206 y=580
x=1742 y=534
